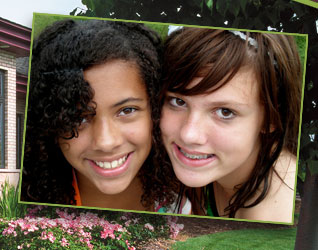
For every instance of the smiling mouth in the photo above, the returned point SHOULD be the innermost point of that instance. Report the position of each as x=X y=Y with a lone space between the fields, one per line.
x=112 y=164
x=195 y=156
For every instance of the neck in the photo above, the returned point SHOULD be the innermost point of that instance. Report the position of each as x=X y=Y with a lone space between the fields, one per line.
x=129 y=199
x=241 y=174
x=226 y=187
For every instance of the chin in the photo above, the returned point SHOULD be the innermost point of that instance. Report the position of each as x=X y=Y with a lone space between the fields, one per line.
x=113 y=190
x=189 y=181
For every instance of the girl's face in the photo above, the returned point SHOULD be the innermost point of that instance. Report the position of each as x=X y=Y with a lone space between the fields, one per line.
x=113 y=144
x=215 y=136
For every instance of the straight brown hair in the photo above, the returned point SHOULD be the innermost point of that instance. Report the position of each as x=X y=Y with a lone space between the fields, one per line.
x=217 y=55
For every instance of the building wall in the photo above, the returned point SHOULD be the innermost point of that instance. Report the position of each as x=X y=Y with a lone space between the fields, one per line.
x=8 y=65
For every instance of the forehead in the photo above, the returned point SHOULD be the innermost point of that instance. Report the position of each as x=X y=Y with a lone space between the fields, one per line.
x=242 y=88
x=115 y=79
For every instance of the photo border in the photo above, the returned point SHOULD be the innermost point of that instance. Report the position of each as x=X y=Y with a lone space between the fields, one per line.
x=35 y=14
x=308 y=2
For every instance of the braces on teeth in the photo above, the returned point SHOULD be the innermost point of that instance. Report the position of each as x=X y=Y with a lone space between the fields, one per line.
x=113 y=164
x=195 y=157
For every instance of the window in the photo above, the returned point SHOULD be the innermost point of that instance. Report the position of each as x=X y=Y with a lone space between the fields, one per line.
x=19 y=139
x=2 y=121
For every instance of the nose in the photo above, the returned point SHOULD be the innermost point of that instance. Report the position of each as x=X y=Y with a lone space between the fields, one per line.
x=193 y=130
x=107 y=135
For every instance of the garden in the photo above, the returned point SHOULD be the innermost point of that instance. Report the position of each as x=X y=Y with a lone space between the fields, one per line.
x=44 y=227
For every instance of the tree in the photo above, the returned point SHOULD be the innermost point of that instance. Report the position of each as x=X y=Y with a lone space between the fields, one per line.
x=278 y=15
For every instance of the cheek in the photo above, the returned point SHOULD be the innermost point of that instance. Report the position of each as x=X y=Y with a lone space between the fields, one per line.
x=140 y=132
x=169 y=123
x=73 y=148
x=239 y=140
x=68 y=148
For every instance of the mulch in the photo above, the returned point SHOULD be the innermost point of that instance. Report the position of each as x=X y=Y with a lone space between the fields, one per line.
x=194 y=227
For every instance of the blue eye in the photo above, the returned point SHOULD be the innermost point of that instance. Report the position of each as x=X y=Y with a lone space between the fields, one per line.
x=127 y=111
x=176 y=102
x=225 y=113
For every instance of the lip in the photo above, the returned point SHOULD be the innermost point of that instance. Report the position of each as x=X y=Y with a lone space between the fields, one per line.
x=191 y=162
x=112 y=172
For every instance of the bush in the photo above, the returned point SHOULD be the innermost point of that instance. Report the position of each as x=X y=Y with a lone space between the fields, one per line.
x=52 y=228
x=9 y=206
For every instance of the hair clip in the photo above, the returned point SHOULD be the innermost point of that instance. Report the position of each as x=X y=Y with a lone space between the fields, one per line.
x=173 y=28
x=240 y=34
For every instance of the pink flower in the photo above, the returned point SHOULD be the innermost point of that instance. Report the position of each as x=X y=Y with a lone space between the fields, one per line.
x=129 y=247
x=43 y=236
x=135 y=220
x=175 y=229
x=107 y=232
x=149 y=226
x=64 y=242
x=51 y=237
x=127 y=223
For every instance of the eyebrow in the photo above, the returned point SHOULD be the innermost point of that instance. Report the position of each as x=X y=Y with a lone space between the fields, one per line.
x=211 y=103
x=231 y=103
x=129 y=99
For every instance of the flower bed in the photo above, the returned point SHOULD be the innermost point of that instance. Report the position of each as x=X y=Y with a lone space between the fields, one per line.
x=55 y=228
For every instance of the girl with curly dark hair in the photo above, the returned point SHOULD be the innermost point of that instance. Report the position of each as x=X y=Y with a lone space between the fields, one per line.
x=230 y=120
x=91 y=112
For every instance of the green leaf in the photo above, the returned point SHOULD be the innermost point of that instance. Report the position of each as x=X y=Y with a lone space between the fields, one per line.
x=197 y=2
x=313 y=166
x=273 y=16
x=89 y=4
x=310 y=85
x=299 y=9
x=237 y=22
x=72 y=13
x=234 y=7
x=221 y=7
x=243 y=4
x=209 y=3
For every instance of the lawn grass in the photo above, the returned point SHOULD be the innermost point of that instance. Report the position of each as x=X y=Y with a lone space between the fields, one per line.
x=242 y=239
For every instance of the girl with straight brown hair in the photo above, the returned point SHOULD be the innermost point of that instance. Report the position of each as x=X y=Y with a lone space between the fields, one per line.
x=230 y=107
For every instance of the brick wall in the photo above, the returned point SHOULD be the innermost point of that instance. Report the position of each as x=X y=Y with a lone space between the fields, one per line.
x=8 y=65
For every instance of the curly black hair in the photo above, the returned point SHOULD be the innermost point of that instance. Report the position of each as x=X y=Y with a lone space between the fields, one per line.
x=59 y=98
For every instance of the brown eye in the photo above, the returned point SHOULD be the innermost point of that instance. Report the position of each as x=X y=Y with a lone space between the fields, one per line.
x=127 y=111
x=177 y=102
x=225 y=113
x=85 y=121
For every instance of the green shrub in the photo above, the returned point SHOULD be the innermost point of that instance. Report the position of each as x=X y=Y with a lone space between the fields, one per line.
x=9 y=206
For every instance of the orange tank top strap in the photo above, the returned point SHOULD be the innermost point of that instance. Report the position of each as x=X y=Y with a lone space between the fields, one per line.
x=77 y=196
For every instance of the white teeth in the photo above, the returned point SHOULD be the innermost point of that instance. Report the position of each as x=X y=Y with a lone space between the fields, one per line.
x=106 y=165
x=112 y=164
x=195 y=157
